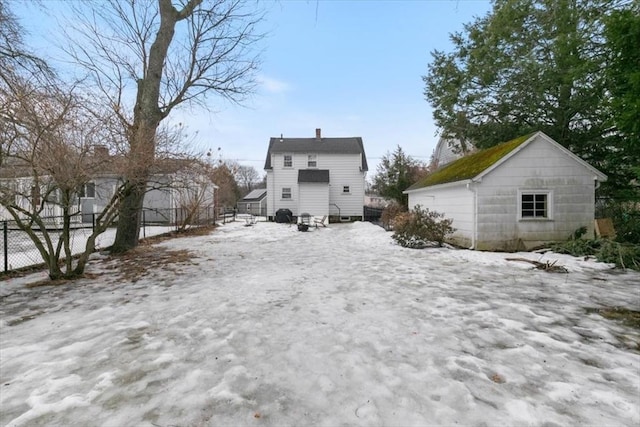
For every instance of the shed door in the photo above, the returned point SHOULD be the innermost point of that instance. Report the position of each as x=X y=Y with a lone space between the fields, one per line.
x=313 y=199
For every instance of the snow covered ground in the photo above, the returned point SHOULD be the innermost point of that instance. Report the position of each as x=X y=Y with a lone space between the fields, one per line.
x=268 y=326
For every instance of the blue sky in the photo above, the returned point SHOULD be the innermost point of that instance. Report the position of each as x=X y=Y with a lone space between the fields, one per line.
x=352 y=68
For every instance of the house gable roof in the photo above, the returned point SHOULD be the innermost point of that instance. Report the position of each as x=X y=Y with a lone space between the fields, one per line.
x=313 y=176
x=479 y=164
x=255 y=195
x=347 y=145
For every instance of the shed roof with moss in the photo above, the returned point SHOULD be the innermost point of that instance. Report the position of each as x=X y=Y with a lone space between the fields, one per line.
x=470 y=166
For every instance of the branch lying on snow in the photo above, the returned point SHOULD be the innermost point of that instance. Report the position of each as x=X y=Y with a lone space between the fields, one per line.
x=551 y=267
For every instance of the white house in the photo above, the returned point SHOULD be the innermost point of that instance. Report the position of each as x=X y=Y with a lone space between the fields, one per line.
x=178 y=190
x=447 y=150
x=513 y=196
x=319 y=176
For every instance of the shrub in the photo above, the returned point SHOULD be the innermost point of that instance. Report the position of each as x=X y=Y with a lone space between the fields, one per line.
x=622 y=255
x=421 y=228
x=627 y=225
x=625 y=216
x=604 y=250
x=390 y=213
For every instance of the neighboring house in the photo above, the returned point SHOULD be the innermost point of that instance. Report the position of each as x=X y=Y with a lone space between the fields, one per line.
x=376 y=201
x=447 y=150
x=319 y=176
x=176 y=190
x=513 y=196
x=254 y=203
x=16 y=181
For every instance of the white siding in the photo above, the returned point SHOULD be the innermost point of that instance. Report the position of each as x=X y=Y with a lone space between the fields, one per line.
x=455 y=201
x=277 y=179
x=344 y=169
x=537 y=167
x=314 y=199
x=270 y=193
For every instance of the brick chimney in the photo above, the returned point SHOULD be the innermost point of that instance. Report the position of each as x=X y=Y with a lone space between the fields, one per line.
x=318 y=133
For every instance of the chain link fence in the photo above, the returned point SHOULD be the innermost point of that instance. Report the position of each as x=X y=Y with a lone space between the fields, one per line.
x=18 y=251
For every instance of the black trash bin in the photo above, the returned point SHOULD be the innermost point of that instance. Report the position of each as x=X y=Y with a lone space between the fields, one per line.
x=284 y=216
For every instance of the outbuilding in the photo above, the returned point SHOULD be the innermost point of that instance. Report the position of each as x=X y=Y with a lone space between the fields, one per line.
x=513 y=196
x=254 y=203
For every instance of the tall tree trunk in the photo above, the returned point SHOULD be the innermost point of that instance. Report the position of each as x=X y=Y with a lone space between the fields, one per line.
x=129 y=214
x=146 y=119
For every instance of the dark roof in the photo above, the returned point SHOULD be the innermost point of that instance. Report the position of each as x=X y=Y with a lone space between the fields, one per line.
x=469 y=166
x=255 y=195
x=313 y=175
x=349 y=145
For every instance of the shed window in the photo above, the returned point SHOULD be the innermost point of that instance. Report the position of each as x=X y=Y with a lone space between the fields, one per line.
x=346 y=189
x=312 y=161
x=535 y=205
x=286 y=192
x=288 y=160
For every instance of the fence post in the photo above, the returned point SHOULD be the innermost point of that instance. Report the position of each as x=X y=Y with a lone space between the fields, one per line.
x=5 y=233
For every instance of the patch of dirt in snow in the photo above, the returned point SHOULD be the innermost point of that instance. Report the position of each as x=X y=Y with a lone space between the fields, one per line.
x=146 y=259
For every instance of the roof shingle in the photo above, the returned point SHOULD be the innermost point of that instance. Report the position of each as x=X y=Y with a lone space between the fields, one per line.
x=469 y=166
x=347 y=145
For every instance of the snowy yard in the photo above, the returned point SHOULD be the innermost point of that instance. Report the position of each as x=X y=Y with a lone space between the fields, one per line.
x=268 y=326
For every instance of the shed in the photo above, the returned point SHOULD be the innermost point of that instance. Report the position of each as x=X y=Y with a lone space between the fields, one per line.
x=254 y=203
x=513 y=196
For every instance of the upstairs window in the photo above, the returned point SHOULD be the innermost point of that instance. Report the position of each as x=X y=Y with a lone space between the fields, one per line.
x=286 y=193
x=312 y=161
x=288 y=161
x=534 y=205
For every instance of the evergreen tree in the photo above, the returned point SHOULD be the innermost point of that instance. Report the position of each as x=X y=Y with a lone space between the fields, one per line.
x=396 y=172
x=530 y=65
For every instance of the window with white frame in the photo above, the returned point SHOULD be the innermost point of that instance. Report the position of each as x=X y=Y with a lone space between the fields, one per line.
x=346 y=189
x=286 y=193
x=535 y=205
x=288 y=160
x=312 y=161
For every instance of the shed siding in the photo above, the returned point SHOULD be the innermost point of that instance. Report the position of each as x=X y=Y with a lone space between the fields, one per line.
x=538 y=166
x=456 y=202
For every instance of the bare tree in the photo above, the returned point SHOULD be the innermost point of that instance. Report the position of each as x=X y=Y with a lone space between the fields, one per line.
x=45 y=140
x=193 y=194
x=47 y=158
x=247 y=177
x=20 y=72
x=228 y=192
x=167 y=55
